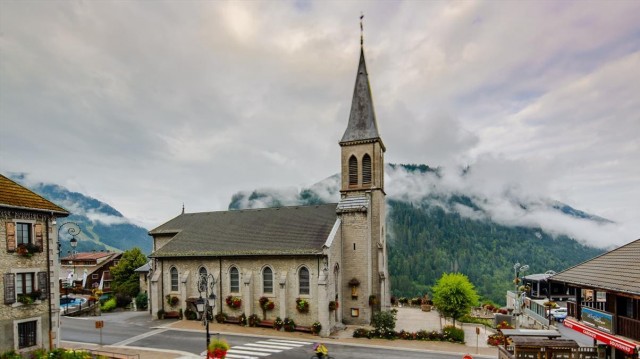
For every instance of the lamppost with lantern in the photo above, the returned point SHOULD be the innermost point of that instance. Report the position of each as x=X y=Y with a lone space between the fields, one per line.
x=205 y=305
x=73 y=229
x=517 y=268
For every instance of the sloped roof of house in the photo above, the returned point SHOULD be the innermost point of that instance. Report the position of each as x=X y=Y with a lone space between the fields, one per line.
x=13 y=195
x=268 y=231
x=617 y=270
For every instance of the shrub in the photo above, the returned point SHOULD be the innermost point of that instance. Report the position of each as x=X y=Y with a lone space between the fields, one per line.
x=453 y=334
x=361 y=333
x=220 y=317
x=416 y=301
x=384 y=324
x=109 y=305
x=190 y=314
x=394 y=300
x=160 y=314
x=142 y=300
x=11 y=354
x=122 y=300
x=243 y=320
x=316 y=327
x=253 y=320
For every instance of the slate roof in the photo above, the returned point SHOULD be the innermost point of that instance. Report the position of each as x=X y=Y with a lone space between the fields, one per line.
x=276 y=231
x=13 y=195
x=617 y=270
x=362 y=118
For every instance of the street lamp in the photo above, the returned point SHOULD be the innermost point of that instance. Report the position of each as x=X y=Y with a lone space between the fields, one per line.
x=517 y=268
x=205 y=305
x=73 y=229
x=74 y=243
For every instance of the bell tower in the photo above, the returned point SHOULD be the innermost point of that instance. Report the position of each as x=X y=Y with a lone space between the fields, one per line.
x=362 y=208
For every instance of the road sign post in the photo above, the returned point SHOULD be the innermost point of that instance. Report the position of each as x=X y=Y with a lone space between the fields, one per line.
x=100 y=325
x=477 y=337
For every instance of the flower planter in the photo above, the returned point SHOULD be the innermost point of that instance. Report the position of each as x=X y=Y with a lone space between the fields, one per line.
x=217 y=354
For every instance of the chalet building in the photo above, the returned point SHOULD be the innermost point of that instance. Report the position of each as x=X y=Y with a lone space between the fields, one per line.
x=87 y=271
x=324 y=263
x=29 y=313
x=606 y=304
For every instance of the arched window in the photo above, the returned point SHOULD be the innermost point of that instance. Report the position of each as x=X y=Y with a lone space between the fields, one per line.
x=267 y=280
x=353 y=170
x=174 y=279
x=202 y=279
x=234 y=280
x=303 y=281
x=366 y=169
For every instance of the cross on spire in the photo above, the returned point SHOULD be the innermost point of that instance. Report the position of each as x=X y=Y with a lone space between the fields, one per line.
x=361 y=30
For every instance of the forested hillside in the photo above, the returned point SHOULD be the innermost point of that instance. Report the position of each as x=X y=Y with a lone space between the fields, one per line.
x=425 y=241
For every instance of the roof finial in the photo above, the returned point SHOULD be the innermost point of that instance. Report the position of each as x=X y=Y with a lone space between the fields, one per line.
x=361 y=30
x=182 y=207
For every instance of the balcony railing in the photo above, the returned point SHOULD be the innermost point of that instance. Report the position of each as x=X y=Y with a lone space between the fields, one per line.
x=628 y=327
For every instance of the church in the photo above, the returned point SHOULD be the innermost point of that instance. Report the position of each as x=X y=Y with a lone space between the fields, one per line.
x=323 y=263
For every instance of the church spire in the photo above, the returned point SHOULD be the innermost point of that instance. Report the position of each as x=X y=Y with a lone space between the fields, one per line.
x=362 y=118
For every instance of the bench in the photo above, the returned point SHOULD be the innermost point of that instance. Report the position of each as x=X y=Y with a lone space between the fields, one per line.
x=300 y=328
x=232 y=320
x=171 y=315
x=265 y=323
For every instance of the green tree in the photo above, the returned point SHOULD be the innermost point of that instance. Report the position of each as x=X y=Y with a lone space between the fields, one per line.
x=454 y=295
x=125 y=280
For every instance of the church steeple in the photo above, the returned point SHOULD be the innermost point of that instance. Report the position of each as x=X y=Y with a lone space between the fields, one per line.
x=362 y=118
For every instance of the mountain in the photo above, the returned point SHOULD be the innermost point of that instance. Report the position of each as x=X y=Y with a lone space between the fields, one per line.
x=437 y=225
x=102 y=226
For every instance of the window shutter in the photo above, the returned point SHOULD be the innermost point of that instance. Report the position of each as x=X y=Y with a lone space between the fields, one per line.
x=38 y=230
x=9 y=288
x=11 y=237
x=366 y=169
x=42 y=284
x=353 y=171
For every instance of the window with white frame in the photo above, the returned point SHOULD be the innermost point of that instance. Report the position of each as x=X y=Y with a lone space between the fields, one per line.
x=174 y=279
x=267 y=280
x=303 y=281
x=234 y=280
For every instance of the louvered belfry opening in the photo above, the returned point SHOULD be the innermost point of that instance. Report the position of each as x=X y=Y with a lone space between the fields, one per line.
x=366 y=169
x=353 y=171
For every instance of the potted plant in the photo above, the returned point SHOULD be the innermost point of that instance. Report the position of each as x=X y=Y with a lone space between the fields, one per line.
x=243 y=320
x=333 y=305
x=233 y=302
x=302 y=305
x=172 y=300
x=266 y=305
x=289 y=325
x=160 y=313
x=316 y=327
x=217 y=349
x=22 y=250
x=253 y=320
x=278 y=324
x=25 y=299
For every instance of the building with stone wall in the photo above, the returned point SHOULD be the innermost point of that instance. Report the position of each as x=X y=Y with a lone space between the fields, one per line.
x=29 y=313
x=332 y=256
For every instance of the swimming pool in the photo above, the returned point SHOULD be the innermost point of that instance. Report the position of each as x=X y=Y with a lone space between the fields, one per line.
x=66 y=302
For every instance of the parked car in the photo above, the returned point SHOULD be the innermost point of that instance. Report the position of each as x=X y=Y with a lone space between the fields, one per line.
x=559 y=314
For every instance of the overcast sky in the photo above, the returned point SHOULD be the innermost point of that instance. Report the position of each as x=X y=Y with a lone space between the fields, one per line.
x=146 y=105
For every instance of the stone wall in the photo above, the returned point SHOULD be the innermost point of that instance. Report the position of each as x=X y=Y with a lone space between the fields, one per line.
x=11 y=262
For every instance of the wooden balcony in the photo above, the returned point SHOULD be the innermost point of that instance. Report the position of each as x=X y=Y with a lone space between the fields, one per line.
x=628 y=327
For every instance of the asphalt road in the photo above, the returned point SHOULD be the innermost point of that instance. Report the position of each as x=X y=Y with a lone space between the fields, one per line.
x=133 y=329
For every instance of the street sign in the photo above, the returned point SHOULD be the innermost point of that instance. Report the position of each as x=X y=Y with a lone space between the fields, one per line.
x=99 y=324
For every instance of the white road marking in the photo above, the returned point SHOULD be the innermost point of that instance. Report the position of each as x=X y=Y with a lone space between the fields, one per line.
x=297 y=343
x=258 y=348
x=234 y=351
x=138 y=337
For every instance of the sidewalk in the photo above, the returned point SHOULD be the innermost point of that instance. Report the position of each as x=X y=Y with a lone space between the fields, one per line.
x=409 y=319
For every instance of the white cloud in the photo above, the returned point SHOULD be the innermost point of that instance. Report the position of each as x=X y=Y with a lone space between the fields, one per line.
x=149 y=106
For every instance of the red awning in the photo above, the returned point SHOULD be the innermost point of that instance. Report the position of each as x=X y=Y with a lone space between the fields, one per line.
x=624 y=345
